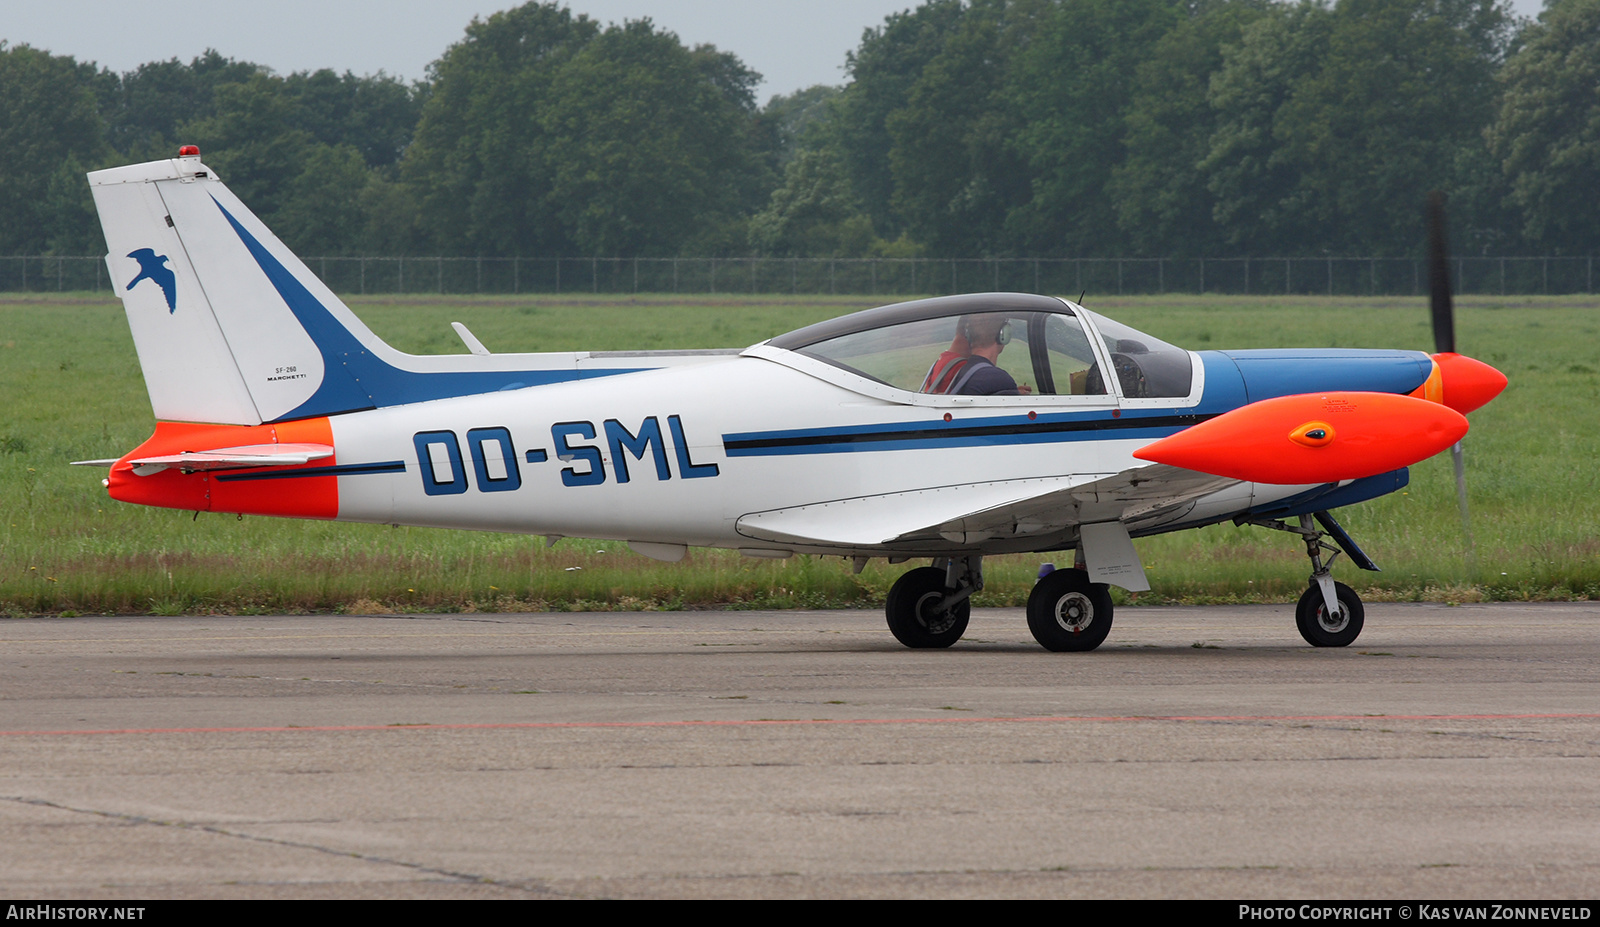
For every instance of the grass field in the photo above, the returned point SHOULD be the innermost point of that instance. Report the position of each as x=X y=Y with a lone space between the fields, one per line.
x=70 y=388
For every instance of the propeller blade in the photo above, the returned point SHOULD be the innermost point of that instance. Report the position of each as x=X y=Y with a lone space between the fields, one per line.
x=1461 y=493
x=1443 y=310
x=1439 y=301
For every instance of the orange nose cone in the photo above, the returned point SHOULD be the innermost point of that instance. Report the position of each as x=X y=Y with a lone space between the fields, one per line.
x=1468 y=383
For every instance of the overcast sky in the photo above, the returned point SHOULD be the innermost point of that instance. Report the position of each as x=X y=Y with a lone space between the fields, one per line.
x=792 y=43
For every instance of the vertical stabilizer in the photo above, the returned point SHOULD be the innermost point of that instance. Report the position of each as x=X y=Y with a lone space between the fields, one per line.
x=233 y=329
x=230 y=326
x=188 y=367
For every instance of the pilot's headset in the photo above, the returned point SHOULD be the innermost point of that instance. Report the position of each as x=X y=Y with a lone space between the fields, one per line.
x=1001 y=337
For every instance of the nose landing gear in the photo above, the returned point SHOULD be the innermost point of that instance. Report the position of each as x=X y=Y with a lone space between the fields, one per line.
x=1329 y=614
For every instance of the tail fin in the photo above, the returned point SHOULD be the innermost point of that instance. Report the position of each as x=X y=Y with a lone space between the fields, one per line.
x=204 y=285
x=232 y=328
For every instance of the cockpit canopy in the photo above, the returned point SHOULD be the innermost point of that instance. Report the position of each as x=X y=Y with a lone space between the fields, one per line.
x=1046 y=347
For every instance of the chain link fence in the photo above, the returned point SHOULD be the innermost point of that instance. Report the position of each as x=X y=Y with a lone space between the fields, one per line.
x=1324 y=276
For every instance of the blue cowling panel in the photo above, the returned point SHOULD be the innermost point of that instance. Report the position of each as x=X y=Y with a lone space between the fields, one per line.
x=1286 y=372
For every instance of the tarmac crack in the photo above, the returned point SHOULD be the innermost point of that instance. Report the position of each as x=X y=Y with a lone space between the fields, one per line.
x=463 y=877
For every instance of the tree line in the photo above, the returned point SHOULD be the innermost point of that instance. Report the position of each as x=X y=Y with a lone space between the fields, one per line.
x=970 y=128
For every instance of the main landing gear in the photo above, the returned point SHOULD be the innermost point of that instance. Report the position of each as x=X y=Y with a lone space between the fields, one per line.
x=1329 y=614
x=930 y=606
x=1066 y=612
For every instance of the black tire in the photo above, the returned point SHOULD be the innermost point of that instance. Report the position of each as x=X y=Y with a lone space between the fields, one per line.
x=915 y=615
x=1311 y=617
x=1066 y=612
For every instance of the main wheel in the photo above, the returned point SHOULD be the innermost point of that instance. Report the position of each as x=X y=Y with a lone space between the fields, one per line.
x=1067 y=612
x=916 y=611
x=1320 y=630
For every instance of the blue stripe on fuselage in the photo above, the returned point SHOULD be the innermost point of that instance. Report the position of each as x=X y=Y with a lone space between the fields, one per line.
x=353 y=379
x=992 y=431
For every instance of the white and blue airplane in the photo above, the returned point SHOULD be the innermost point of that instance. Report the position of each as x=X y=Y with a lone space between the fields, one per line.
x=858 y=437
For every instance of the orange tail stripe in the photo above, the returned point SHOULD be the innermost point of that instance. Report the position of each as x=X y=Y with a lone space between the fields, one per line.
x=302 y=497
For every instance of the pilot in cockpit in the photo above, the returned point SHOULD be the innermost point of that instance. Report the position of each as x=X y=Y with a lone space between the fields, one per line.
x=969 y=367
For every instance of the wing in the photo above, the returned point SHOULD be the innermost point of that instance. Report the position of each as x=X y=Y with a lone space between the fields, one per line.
x=978 y=513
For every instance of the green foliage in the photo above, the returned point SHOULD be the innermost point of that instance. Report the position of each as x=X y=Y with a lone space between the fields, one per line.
x=813 y=213
x=547 y=135
x=1074 y=86
x=883 y=71
x=648 y=142
x=50 y=128
x=796 y=118
x=1332 y=122
x=252 y=139
x=1547 y=131
x=478 y=165
x=375 y=115
x=1162 y=202
x=153 y=100
x=967 y=128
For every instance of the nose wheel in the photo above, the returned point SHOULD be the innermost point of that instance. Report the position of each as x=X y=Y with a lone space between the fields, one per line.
x=1322 y=628
x=1329 y=614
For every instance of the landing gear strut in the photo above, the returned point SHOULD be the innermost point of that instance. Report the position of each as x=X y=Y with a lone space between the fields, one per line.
x=929 y=607
x=1329 y=614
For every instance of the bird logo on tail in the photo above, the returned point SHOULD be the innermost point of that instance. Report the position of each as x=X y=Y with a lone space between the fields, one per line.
x=152 y=266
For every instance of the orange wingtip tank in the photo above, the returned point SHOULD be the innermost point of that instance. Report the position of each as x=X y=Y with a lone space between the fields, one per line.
x=1313 y=438
x=1467 y=383
x=175 y=488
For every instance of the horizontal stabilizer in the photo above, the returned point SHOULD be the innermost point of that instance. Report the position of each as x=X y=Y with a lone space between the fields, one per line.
x=234 y=458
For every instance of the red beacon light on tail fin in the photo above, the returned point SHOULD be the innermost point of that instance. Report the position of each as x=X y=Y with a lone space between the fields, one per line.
x=189 y=151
